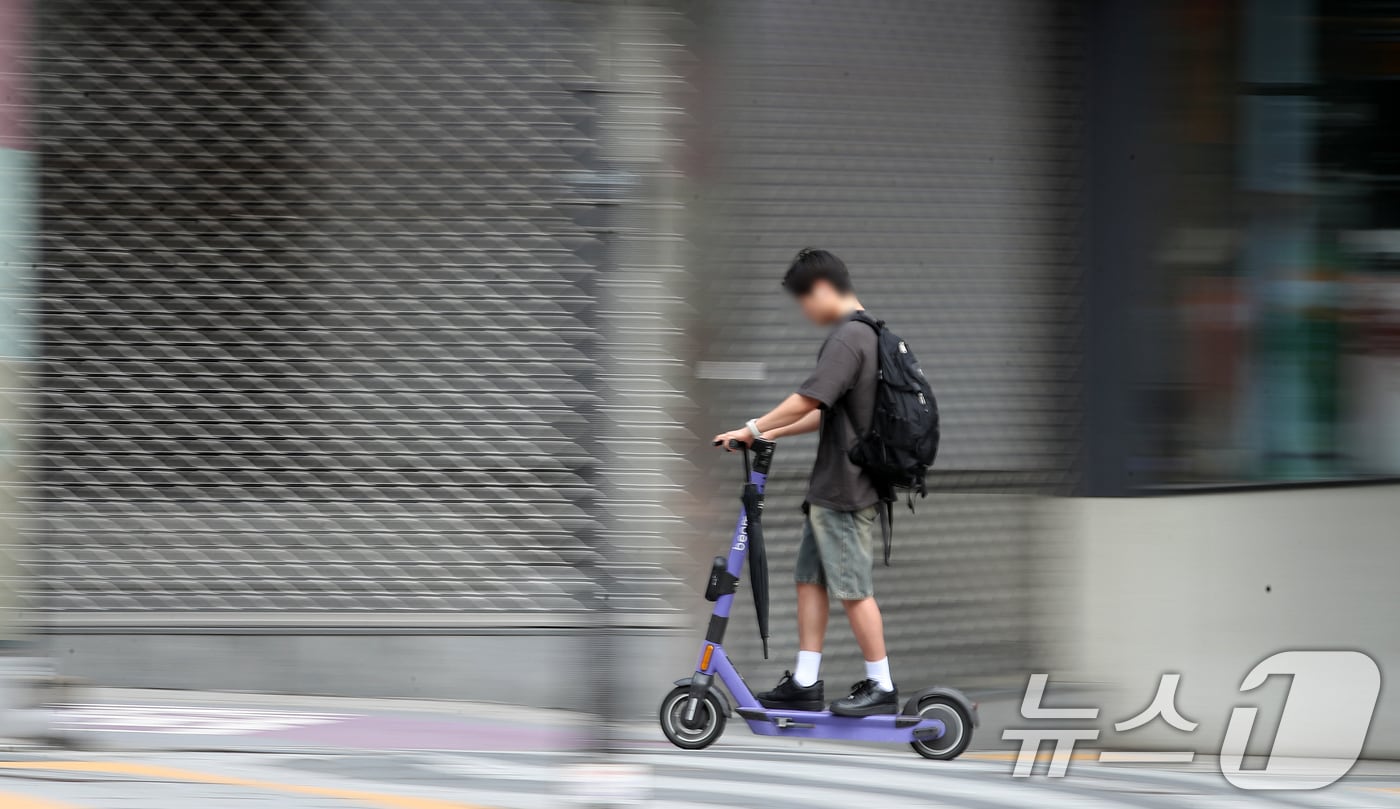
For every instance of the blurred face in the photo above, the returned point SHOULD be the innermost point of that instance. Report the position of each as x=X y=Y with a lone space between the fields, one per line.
x=823 y=305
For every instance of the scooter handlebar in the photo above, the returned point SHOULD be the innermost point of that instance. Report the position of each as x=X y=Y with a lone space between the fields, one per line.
x=734 y=443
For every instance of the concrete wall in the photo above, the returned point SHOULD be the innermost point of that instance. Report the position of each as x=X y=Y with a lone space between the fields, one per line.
x=1208 y=586
x=546 y=668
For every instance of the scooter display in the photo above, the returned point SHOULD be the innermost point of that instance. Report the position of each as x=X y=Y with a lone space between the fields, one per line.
x=937 y=722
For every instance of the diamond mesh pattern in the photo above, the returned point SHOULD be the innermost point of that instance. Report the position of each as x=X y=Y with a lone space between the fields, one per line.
x=331 y=324
x=318 y=317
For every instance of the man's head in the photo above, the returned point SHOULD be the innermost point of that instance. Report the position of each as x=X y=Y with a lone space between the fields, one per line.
x=821 y=284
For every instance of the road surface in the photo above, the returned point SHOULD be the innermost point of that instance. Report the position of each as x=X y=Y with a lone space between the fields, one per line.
x=153 y=750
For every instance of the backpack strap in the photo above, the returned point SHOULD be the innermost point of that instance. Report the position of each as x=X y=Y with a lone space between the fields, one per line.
x=887 y=496
x=886 y=508
x=861 y=316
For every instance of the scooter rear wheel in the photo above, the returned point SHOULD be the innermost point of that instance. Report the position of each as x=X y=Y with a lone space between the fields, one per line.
x=958 y=724
x=702 y=730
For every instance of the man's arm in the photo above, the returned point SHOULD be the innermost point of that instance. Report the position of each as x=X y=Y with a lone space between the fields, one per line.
x=793 y=409
x=807 y=424
x=838 y=365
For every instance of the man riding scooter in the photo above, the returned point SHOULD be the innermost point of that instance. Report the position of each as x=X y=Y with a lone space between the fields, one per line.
x=837 y=552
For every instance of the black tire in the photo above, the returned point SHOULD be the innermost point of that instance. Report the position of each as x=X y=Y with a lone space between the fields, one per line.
x=955 y=718
x=703 y=731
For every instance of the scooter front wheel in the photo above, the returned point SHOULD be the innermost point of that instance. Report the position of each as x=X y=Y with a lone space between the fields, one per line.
x=957 y=729
x=698 y=731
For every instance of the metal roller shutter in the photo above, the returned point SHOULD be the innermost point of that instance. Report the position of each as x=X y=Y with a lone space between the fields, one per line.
x=320 y=322
x=926 y=143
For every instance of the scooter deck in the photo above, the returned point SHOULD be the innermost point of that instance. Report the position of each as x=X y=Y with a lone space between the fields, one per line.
x=890 y=728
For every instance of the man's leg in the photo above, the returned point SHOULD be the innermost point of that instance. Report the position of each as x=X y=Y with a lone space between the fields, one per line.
x=868 y=626
x=851 y=535
x=813 y=610
x=802 y=689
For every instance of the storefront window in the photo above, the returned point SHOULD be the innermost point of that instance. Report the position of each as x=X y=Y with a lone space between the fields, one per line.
x=1280 y=267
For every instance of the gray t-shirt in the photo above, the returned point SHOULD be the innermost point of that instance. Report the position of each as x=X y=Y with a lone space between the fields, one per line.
x=844 y=382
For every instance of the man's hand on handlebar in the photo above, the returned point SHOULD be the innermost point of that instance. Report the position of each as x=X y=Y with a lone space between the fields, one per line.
x=742 y=435
x=796 y=414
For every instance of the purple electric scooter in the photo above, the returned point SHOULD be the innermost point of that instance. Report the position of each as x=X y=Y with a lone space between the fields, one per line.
x=936 y=722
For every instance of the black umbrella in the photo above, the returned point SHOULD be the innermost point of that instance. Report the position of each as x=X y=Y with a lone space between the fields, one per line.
x=758 y=559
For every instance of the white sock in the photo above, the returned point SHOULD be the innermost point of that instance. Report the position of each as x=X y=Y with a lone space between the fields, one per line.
x=879 y=671
x=809 y=665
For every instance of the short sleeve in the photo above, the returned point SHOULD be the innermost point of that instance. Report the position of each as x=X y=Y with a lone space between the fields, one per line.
x=838 y=367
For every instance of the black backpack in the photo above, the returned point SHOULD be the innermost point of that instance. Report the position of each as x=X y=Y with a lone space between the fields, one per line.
x=902 y=440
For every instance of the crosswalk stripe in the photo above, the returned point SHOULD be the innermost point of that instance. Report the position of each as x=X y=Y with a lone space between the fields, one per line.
x=989 y=789
x=750 y=793
x=186 y=720
x=1083 y=787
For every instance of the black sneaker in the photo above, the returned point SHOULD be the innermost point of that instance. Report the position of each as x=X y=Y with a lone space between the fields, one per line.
x=867 y=699
x=789 y=696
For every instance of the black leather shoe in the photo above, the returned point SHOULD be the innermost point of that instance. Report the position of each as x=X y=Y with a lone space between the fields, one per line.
x=789 y=696
x=867 y=699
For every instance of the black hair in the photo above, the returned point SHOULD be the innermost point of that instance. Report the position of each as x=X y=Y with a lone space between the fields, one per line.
x=811 y=265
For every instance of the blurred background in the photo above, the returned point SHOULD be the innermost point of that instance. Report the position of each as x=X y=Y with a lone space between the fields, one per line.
x=372 y=348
